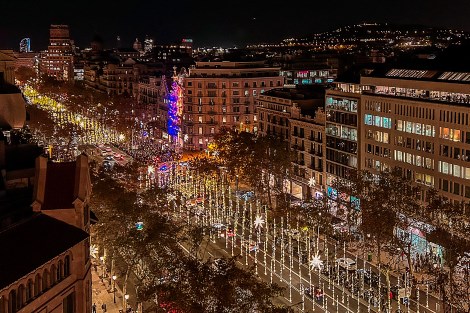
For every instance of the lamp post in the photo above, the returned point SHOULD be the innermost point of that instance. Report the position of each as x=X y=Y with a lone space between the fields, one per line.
x=114 y=288
x=102 y=261
x=236 y=184
x=126 y=297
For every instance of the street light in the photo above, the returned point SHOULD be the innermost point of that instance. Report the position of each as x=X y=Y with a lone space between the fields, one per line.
x=114 y=288
x=127 y=298
x=102 y=261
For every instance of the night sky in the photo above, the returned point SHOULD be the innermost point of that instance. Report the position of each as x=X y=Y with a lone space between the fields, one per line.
x=212 y=23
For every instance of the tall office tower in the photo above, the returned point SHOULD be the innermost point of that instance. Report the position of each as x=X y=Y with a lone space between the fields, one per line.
x=342 y=107
x=222 y=94
x=57 y=61
x=148 y=44
x=25 y=45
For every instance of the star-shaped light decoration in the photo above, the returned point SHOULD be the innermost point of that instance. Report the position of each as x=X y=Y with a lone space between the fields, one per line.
x=93 y=251
x=312 y=182
x=316 y=262
x=259 y=221
x=171 y=197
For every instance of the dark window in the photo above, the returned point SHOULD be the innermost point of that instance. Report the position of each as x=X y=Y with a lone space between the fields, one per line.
x=69 y=303
x=445 y=185
x=67 y=266
x=467 y=192
x=12 y=302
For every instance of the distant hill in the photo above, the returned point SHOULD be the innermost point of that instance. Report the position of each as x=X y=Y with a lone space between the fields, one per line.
x=383 y=35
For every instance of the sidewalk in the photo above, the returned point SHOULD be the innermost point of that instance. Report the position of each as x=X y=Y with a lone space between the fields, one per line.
x=103 y=293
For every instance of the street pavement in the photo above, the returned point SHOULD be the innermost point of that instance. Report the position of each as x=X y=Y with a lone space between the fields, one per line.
x=103 y=294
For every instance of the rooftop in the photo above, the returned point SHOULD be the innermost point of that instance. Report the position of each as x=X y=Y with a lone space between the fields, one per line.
x=38 y=239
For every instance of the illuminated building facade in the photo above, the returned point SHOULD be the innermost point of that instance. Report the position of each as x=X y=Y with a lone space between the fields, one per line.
x=222 y=94
x=25 y=45
x=342 y=129
x=153 y=105
x=57 y=61
x=309 y=76
x=148 y=45
x=418 y=120
x=297 y=115
x=175 y=107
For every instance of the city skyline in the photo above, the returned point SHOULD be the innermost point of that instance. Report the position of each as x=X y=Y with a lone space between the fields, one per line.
x=211 y=23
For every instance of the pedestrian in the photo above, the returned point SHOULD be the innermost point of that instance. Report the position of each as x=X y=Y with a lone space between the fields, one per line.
x=93 y=308
x=103 y=306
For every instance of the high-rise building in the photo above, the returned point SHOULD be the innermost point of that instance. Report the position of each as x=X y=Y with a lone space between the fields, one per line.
x=222 y=94
x=25 y=45
x=57 y=61
x=148 y=44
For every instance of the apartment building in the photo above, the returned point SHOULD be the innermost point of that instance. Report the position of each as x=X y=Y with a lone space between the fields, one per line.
x=47 y=266
x=297 y=115
x=57 y=60
x=342 y=130
x=152 y=102
x=222 y=94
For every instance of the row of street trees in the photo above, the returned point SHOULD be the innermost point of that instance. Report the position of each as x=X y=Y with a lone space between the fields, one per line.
x=386 y=212
x=167 y=277
x=381 y=209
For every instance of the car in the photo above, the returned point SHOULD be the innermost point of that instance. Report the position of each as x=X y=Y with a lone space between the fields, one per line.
x=219 y=226
x=109 y=158
x=347 y=264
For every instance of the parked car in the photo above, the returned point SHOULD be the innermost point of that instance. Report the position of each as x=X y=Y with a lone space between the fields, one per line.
x=347 y=264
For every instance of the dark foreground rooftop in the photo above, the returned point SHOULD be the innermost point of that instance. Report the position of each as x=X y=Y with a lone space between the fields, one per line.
x=33 y=242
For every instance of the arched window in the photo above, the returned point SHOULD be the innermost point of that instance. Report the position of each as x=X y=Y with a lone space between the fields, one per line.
x=53 y=274
x=2 y=304
x=37 y=285
x=29 y=290
x=20 y=297
x=12 y=302
x=60 y=271
x=45 y=280
x=67 y=266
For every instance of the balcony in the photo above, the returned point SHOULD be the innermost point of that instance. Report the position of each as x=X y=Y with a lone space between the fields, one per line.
x=211 y=112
